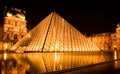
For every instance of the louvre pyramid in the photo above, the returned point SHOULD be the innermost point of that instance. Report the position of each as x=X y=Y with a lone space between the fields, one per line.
x=54 y=33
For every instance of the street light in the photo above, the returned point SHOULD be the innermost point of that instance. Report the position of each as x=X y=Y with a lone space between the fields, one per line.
x=114 y=47
x=5 y=56
x=5 y=46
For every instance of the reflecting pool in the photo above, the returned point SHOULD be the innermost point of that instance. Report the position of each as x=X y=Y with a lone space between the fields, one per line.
x=34 y=63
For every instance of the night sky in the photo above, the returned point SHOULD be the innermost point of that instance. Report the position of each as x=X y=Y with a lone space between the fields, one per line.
x=88 y=16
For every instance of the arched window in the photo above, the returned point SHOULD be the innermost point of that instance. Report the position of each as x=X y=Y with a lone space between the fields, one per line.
x=15 y=36
x=9 y=22
x=8 y=36
x=22 y=36
x=15 y=23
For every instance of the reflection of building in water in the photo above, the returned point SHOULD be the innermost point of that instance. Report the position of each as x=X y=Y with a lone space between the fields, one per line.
x=107 y=41
x=9 y=65
x=37 y=63
x=49 y=62
x=14 y=28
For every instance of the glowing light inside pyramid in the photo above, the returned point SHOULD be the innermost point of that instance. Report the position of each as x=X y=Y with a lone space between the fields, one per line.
x=55 y=34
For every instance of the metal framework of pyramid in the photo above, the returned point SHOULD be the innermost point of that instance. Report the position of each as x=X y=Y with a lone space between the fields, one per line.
x=54 y=33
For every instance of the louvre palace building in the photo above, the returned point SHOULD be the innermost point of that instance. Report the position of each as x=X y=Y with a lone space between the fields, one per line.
x=13 y=29
x=107 y=41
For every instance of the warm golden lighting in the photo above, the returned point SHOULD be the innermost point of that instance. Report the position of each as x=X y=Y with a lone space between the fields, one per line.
x=14 y=25
x=5 y=56
x=107 y=41
x=114 y=46
x=49 y=62
x=115 y=55
x=56 y=57
x=21 y=16
x=9 y=14
x=57 y=35
x=29 y=35
x=5 y=46
x=61 y=67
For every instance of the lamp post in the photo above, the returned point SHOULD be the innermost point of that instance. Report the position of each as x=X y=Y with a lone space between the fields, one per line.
x=115 y=47
x=5 y=47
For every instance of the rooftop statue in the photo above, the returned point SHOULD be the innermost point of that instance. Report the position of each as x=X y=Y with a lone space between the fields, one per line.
x=17 y=13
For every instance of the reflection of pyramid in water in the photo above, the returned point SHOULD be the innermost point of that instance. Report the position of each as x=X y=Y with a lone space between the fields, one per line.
x=55 y=34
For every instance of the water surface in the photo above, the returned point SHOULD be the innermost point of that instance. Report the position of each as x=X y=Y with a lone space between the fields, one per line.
x=35 y=63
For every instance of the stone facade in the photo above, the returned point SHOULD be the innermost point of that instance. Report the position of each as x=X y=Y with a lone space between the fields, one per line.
x=14 y=28
x=107 y=41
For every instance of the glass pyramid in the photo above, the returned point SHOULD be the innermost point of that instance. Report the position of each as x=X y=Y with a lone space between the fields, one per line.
x=54 y=33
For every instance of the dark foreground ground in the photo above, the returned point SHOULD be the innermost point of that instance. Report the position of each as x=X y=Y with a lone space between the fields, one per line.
x=106 y=68
x=111 y=67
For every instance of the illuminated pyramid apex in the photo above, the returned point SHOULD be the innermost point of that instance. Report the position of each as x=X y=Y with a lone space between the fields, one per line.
x=54 y=33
